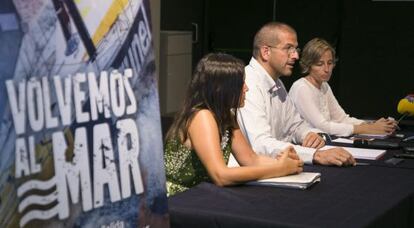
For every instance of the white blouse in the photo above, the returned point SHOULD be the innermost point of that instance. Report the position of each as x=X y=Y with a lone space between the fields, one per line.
x=321 y=109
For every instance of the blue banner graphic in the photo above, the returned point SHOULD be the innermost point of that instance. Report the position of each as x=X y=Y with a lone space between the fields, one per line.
x=80 y=133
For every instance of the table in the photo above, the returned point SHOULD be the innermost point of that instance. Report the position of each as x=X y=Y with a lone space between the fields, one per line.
x=376 y=195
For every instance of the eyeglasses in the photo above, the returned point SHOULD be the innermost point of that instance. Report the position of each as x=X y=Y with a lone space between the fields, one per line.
x=289 y=49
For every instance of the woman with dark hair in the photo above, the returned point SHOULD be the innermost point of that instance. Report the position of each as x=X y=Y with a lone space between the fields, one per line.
x=315 y=101
x=205 y=132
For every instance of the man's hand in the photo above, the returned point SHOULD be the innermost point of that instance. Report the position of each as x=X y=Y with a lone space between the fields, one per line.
x=313 y=140
x=335 y=156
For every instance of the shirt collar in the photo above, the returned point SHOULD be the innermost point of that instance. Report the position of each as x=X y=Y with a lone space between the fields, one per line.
x=323 y=89
x=267 y=80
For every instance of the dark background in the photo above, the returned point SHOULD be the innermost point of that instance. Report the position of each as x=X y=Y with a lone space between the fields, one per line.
x=374 y=41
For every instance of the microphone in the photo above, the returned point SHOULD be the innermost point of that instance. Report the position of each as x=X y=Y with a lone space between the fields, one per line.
x=406 y=105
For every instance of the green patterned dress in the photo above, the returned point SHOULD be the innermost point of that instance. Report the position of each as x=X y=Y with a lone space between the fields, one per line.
x=183 y=167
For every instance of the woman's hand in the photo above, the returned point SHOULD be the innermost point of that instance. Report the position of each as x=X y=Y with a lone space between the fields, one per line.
x=290 y=161
x=291 y=153
x=381 y=126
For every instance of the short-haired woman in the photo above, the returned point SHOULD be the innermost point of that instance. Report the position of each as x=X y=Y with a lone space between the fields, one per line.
x=315 y=101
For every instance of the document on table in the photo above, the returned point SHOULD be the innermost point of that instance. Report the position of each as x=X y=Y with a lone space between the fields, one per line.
x=343 y=140
x=370 y=136
x=361 y=153
x=301 y=181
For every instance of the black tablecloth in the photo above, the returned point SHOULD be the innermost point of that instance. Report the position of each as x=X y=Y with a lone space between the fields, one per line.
x=376 y=195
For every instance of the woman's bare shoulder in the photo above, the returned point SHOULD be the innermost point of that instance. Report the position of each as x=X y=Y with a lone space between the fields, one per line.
x=203 y=115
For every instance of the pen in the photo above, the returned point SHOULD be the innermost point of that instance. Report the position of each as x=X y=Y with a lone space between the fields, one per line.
x=362 y=163
x=399 y=120
x=402 y=117
x=397 y=127
x=396 y=122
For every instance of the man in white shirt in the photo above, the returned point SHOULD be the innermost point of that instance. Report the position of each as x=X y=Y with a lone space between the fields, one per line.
x=269 y=119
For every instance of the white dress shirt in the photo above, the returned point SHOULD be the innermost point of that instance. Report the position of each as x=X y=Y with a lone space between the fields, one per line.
x=321 y=109
x=269 y=119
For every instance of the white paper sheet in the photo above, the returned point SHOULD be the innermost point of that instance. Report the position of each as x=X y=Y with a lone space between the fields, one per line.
x=343 y=140
x=361 y=153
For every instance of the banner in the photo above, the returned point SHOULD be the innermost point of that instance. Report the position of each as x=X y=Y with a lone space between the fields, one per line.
x=80 y=132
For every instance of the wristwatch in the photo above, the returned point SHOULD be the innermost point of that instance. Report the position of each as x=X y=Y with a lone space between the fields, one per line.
x=325 y=137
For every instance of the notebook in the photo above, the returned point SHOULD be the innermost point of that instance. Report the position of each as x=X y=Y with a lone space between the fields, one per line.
x=299 y=181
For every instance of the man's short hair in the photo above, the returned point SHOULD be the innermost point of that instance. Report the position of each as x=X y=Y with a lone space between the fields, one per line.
x=268 y=35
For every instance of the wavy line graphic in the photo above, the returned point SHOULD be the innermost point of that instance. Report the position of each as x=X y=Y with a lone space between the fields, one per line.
x=38 y=200
x=39 y=214
x=36 y=184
